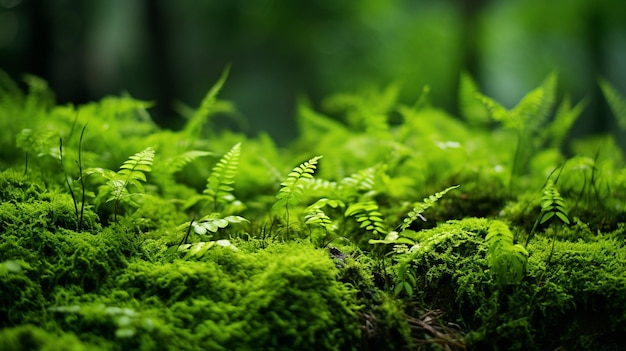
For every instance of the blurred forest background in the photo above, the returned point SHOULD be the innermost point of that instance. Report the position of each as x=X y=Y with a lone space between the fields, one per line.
x=168 y=51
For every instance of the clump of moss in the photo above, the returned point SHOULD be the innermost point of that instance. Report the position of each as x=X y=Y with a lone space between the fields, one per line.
x=549 y=308
x=283 y=297
x=29 y=337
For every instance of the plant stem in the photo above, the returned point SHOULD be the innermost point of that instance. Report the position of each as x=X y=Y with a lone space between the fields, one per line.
x=69 y=186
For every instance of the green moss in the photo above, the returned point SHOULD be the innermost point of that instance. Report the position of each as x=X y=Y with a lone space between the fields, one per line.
x=576 y=299
x=284 y=297
x=31 y=338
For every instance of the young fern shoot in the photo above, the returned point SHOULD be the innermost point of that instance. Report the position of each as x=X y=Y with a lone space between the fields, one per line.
x=292 y=188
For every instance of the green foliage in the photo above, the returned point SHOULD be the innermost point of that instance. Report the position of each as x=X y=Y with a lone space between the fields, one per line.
x=368 y=215
x=292 y=188
x=616 y=101
x=198 y=249
x=220 y=184
x=193 y=128
x=507 y=261
x=420 y=207
x=131 y=174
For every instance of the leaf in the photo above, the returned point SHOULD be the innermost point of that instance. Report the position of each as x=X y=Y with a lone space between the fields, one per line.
x=193 y=127
x=616 y=101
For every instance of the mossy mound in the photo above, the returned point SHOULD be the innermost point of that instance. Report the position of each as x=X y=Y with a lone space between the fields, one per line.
x=575 y=299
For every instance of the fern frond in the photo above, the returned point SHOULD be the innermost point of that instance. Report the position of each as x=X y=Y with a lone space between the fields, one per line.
x=197 y=250
x=363 y=180
x=291 y=192
x=292 y=188
x=220 y=183
x=132 y=172
x=368 y=215
x=471 y=109
x=193 y=127
x=315 y=215
x=564 y=119
x=535 y=107
x=616 y=101
x=507 y=261
x=212 y=223
x=552 y=204
x=178 y=162
x=420 y=207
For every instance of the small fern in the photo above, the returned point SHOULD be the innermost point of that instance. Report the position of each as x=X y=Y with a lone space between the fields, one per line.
x=292 y=188
x=420 y=207
x=220 y=183
x=197 y=250
x=552 y=206
x=507 y=261
x=212 y=223
x=368 y=215
x=616 y=101
x=131 y=173
x=178 y=162
x=193 y=128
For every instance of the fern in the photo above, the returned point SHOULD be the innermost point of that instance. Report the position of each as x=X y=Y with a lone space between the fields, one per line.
x=211 y=224
x=39 y=143
x=220 y=183
x=507 y=261
x=292 y=188
x=552 y=206
x=527 y=119
x=420 y=207
x=193 y=128
x=177 y=163
x=197 y=250
x=368 y=215
x=315 y=215
x=564 y=119
x=616 y=101
x=131 y=173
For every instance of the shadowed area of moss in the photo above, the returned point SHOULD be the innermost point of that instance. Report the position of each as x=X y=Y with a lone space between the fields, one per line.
x=576 y=299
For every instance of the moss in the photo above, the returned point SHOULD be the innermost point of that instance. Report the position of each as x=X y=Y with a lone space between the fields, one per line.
x=31 y=338
x=283 y=297
x=576 y=299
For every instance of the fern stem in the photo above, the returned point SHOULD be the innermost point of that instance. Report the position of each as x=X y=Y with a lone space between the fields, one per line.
x=82 y=178
x=67 y=181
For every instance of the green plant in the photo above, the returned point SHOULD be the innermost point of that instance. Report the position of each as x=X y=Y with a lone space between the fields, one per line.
x=552 y=206
x=506 y=260
x=131 y=174
x=292 y=188
x=219 y=186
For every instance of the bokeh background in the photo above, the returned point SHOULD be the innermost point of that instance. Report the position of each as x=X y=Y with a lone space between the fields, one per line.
x=168 y=51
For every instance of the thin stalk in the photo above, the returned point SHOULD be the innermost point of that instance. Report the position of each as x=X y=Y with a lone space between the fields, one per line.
x=82 y=178
x=69 y=186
